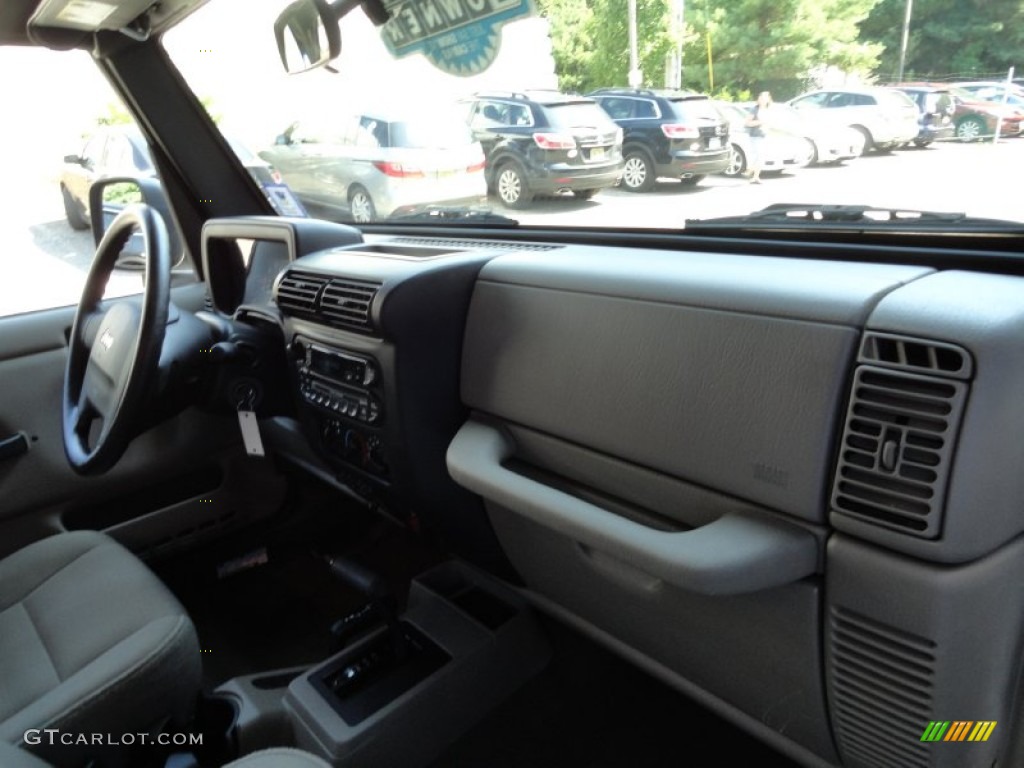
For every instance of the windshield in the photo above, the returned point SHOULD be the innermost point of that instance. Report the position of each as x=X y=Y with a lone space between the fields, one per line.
x=545 y=101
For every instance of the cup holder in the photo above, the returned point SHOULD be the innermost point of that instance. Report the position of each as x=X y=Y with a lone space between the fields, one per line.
x=217 y=720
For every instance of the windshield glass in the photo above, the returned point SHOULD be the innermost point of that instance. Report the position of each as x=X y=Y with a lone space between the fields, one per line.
x=542 y=94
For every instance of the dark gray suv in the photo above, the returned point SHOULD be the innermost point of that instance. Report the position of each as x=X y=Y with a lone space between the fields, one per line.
x=544 y=142
x=667 y=134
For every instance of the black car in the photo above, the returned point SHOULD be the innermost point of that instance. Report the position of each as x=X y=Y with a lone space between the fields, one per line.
x=935 y=107
x=667 y=134
x=543 y=143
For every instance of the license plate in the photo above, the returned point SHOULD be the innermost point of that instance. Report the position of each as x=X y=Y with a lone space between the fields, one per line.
x=714 y=143
x=597 y=153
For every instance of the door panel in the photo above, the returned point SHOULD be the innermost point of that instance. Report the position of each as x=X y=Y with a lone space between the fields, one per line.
x=185 y=479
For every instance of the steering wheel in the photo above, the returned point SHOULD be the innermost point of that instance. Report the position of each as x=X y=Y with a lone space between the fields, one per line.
x=114 y=351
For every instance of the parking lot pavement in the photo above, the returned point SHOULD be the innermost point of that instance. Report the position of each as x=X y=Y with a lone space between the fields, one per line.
x=969 y=178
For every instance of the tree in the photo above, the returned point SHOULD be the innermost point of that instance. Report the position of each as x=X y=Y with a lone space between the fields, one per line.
x=948 y=37
x=590 y=41
x=570 y=22
x=774 y=44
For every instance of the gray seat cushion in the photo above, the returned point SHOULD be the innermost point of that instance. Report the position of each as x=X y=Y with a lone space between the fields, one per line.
x=90 y=642
x=280 y=757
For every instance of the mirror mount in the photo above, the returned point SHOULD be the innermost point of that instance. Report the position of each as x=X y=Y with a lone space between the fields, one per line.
x=308 y=35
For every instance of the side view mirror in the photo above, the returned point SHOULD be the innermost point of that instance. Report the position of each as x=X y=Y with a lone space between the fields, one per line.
x=282 y=140
x=107 y=197
x=73 y=159
x=307 y=35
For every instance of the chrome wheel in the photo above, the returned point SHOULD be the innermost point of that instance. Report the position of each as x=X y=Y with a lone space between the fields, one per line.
x=970 y=129
x=637 y=174
x=511 y=187
x=737 y=161
x=361 y=206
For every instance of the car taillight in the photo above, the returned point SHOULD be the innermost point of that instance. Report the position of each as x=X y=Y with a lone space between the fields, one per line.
x=399 y=170
x=276 y=176
x=554 y=140
x=477 y=166
x=680 y=131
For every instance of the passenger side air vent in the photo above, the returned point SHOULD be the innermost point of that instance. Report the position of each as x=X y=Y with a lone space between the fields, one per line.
x=346 y=303
x=897 y=449
x=338 y=302
x=881 y=683
x=915 y=355
x=297 y=293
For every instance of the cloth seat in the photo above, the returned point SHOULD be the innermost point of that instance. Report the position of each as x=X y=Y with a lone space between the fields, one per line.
x=91 y=642
x=278 y=757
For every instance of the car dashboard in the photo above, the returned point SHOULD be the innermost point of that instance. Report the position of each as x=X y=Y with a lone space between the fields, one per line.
x=788 y=487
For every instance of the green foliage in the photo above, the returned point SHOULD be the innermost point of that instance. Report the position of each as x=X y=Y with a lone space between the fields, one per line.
x=115 y=114
x=774 y=44
x=948 y=37
x=590 y=41
x=123 y=193
x=570 y=22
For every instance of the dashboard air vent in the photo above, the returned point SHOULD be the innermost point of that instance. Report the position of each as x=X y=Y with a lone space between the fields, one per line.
x=346 y=303
x=897 y=449
x=297 y=293
x=916 y=355
x=341 y=302
x=881 y=683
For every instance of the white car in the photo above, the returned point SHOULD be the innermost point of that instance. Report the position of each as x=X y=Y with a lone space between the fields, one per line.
x=884 y=119
x=780 y=150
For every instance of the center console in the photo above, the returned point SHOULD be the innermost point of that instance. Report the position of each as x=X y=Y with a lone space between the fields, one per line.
x=402 y=691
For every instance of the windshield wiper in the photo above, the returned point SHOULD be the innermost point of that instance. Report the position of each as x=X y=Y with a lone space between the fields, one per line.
x=800 y=215
x=442 y=215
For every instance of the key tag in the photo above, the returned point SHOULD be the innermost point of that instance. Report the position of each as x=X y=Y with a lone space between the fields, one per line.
x=250 y=429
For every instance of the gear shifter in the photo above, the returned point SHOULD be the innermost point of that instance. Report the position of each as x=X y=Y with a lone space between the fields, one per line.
x=381 y=606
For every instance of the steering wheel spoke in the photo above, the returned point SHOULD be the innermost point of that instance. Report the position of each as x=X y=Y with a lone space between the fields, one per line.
x=113 y=354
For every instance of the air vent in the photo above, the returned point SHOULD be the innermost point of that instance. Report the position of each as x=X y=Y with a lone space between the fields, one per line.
x=346 y=303
x=881 y=685
x=897 y=449
x=297 y=293
x=335 y=301
x=475 y=245
x=916 y=355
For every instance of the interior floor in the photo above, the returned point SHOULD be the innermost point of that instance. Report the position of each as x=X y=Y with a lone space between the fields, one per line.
x=264 y=599
x=587 y=709
x=591 y=709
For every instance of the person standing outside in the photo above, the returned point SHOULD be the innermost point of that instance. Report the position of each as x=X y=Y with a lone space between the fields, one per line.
x=756 y=127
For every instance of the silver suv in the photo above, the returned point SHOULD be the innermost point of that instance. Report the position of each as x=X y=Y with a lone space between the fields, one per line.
x=884 y=119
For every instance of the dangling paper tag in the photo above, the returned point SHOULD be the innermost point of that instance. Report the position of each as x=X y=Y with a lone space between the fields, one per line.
x=250 y=433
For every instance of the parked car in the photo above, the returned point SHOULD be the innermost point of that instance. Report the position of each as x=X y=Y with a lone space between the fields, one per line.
x=973 y=118
x=999 y=92
x=935 y=112
x=123 y=151
x=374 y=165
x=779 y=150
x=829 y=142
x=666 y=134
x=885 y=119
x=544 y=142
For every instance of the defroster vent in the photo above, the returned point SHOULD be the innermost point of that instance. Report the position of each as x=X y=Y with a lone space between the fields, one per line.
x=897 y=449
x=340 y=302
x=881 y=683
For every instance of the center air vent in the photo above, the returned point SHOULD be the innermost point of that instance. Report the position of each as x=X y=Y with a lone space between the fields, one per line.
x=340 y=302
x=346 y=303
x=897 y=449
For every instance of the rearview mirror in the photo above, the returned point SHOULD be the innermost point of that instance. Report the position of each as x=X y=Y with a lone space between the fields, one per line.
x=307 y=35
